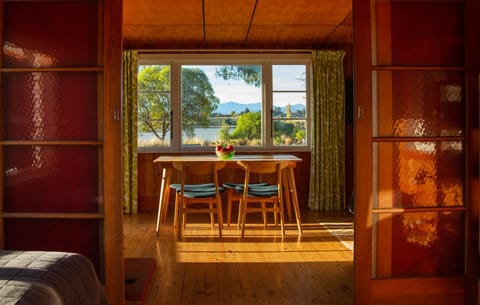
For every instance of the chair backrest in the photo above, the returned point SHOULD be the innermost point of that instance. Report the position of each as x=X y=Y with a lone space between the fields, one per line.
x=198 y=168
x=189 y=169
x=263 y=167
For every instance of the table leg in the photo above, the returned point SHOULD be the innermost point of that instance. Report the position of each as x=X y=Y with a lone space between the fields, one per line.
x=286 y=195
x=162 y=199
x=293 y=187
x=166 y=195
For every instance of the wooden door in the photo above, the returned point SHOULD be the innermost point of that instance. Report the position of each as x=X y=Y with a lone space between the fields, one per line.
x=416 y=214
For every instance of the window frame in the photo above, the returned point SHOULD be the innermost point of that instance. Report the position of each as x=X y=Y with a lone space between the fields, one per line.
x=266 y=60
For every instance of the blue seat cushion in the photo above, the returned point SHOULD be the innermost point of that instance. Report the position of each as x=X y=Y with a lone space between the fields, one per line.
x=260 y=190
x=234 y=185
x=201 y=193
x=188 y=187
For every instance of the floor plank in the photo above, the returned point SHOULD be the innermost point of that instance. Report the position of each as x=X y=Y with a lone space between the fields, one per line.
x=261 y=269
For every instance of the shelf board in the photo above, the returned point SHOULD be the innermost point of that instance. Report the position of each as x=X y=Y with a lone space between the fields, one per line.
x=51 y=69
x=46 y=143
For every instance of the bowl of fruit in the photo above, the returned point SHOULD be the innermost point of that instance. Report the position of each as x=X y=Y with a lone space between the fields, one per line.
x=224 y=152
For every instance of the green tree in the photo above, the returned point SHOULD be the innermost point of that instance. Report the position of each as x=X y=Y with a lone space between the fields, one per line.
x=277 y=112
x=251 y=75
x=198 y=100
x=283 y=129
x=154 y=100
x=224 y=133
x=249 y=126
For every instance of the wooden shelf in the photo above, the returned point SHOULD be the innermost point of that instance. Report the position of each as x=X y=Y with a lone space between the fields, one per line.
x=50 y=143
x=40 y=215
x=51 y=69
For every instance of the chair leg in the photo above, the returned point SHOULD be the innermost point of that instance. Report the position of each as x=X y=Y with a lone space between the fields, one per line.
x=243 y=208
x=181 y=218
x=263 y=205
x=177 y=215
x=275 y=214
x=229 y=206
x=282 y=217
x=212 y=216
x=219 y=216
x=176 y=212
x=240 y=211
x=184 y=214
x=220 y=212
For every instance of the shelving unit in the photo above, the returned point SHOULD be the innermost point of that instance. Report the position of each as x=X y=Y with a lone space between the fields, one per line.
x=59 y=142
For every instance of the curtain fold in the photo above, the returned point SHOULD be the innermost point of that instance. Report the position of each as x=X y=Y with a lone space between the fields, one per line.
x=130 y=113
x=327 y=175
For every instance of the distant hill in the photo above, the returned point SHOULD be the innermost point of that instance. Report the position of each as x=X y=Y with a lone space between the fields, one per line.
x=228 y=107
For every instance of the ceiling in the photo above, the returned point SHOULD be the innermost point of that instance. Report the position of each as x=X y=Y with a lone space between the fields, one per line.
x=236 y=24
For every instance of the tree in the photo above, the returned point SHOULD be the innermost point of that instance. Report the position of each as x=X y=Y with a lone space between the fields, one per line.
x=283 y=129
x=224 y=133
x=154 y=100
x=251 y=75
x=249 y=126
x=198 y=100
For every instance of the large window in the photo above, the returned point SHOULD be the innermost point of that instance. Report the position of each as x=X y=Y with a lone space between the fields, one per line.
x=195 y=103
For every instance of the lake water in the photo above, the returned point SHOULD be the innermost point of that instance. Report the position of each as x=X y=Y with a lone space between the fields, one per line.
x=208 y=134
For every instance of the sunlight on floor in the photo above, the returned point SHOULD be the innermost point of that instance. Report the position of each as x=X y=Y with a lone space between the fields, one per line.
x=318 y=243
x=341 y=230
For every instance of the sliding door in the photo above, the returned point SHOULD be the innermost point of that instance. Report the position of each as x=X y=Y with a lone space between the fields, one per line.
x=415 y=210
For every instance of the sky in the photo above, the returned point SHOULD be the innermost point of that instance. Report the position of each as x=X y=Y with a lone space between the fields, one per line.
x=238 y=91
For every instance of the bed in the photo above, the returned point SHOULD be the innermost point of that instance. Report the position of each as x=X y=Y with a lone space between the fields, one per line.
x=48 y=278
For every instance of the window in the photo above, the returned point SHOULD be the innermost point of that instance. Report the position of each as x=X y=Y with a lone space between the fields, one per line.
x=189 y=102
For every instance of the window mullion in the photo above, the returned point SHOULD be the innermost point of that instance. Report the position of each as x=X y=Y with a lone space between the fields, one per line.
x=267 y=105
x=176 y=96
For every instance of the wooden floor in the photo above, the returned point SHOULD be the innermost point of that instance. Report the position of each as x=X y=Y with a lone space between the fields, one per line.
x=261 y=269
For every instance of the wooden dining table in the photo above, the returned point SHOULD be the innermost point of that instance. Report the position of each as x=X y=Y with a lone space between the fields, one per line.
x=291 y=197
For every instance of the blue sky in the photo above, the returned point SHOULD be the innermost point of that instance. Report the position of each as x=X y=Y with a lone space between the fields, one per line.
x=232 y=90
x=238 y=91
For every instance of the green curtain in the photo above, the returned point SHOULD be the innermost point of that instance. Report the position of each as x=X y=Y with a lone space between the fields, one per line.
x=130 y=114
x=327 y=176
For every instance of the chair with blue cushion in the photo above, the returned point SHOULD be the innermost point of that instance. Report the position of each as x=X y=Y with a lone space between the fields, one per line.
x=197 y=198
x=234 y=196
x=269 y=196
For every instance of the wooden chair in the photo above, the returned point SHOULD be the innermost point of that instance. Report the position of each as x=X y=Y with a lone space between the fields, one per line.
x=188 y=194
x=268 y=196
x=234 y=196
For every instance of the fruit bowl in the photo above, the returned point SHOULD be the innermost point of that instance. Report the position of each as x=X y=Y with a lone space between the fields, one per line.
x=225 y=152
